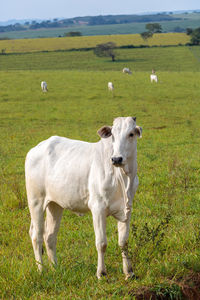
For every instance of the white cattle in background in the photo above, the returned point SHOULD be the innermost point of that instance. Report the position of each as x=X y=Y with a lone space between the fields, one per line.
x=127 y=71
x=99 y=177
x=110 y=86
x=153 y=77
x=44 y=86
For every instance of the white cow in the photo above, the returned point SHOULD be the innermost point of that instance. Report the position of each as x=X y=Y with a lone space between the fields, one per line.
x=99 y=177
x=44 y=86
x=127 y=71
x=110 y=86
x=153 y=77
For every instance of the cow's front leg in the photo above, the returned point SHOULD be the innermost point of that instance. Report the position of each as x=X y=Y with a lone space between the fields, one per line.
x=99 y=222
x=123 y=233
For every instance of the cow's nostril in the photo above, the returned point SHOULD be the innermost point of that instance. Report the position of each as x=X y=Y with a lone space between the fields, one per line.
x=120 y=159
x=117 y=160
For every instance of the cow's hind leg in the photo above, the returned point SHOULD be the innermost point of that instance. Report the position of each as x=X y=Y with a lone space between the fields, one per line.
x=99 y=221
x=36 y=230
x=52 y=224
x=123 y=233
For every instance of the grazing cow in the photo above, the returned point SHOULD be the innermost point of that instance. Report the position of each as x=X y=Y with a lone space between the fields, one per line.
x=127 y=71
x=44 y=86
x=99 y=177
x=153 y=77
x=110 y=86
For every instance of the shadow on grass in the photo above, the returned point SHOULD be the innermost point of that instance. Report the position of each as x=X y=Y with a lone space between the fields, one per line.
x=119 y=60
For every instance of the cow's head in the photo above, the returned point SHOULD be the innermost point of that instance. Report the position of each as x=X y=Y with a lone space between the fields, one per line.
x=124 y=134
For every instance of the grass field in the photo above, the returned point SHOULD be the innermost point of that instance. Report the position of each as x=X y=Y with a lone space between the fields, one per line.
x=53 y=44
x=191 y=20
x=161 y=59
x=164 y=236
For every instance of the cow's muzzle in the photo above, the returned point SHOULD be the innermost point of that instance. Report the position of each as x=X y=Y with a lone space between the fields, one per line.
x=117 y=161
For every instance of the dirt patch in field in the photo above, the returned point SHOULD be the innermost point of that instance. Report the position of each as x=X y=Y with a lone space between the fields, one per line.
x=189 y=288
x=159 y=127
x=145 y=293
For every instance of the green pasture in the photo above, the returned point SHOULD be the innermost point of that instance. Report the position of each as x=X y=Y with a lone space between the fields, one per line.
x=165 y=231
x=139 y=59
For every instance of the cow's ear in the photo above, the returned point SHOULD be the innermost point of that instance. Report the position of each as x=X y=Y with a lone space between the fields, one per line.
x=138 y=131
x=105 y=132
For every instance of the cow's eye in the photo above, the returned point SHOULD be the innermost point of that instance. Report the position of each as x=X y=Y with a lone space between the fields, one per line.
x=131 y=134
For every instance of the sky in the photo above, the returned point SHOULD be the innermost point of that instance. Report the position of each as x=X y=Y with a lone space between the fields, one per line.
x=49 y=9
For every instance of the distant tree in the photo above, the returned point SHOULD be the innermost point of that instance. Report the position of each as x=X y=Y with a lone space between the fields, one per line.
x=73 y=33
x=4 y=38
x=178 y=29
x=195 y=36
x=106 y=50
x=98 y=20
x=146 y=35
x=35 y=26
x=18 y=26
x=3 y=51
x=154 y=27
x=189 y=31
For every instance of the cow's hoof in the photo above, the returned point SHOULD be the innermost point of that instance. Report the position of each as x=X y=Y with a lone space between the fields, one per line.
x=130 y=275
x=101 y=274
x=39 y=268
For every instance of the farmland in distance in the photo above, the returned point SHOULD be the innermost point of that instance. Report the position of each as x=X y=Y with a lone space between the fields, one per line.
x=179 y=24
x=68 y=43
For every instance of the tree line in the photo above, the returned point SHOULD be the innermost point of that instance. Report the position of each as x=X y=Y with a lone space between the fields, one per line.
x=90 y=21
